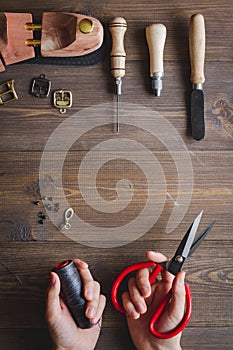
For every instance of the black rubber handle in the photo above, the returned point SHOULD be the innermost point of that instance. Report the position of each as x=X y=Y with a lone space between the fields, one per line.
x=72 y=292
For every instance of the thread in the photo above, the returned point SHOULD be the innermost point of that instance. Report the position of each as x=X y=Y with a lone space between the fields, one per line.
x=72 y=292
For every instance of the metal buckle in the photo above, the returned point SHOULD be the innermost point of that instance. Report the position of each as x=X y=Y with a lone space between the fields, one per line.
x=7 y=92
x=62 y=99
x=41 y=87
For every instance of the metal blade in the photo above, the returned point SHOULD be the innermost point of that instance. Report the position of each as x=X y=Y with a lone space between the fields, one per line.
x=182 y=253
x=187 y=241
x=197 y=115
x=200 y=238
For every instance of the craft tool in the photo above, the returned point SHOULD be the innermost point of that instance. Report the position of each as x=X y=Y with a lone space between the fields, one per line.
x=66 y=34
x=186 y=248
x=156 y=36
x=60 y=38
x=197 y=58
x=118 y=27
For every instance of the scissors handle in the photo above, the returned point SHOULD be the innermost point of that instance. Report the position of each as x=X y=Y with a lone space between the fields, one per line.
x=157 y=269
x=179 y=328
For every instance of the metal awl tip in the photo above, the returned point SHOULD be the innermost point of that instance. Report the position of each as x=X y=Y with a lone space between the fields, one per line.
x=118 y=122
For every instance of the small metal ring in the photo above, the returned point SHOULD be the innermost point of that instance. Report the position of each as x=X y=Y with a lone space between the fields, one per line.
x=68 y=214
x=62 y=110
x=67 y=226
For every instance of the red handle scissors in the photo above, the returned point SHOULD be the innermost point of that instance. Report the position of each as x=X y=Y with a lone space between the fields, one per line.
x=186 y=248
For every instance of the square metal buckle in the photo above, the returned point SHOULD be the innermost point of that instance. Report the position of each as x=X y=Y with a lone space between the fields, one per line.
x=62 y=99
x=7 y=92
x=41 y=87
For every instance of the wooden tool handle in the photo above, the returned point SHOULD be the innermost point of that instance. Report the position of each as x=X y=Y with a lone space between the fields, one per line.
x=156 y=36
x=197 y=48
x=118 y=27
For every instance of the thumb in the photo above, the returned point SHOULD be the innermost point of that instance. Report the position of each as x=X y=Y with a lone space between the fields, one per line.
x=53 y=299
x=177 y=304
x=175 y=311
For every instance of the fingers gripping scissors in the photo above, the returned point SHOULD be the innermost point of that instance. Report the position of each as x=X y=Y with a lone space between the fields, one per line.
x=185 y=249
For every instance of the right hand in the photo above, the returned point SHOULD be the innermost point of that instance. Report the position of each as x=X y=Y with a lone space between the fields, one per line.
x=143 y=299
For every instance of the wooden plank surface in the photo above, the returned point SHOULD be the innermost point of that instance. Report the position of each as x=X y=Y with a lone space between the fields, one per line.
x=30 y=249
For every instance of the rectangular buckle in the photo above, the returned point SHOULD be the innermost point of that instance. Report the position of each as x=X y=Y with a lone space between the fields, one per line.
x=62 y=99
x=41 y=87
x=7 y=92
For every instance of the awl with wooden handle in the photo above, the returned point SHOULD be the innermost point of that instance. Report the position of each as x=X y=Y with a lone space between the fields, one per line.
x=197 y=58
x=118 y=27
x=156 y=36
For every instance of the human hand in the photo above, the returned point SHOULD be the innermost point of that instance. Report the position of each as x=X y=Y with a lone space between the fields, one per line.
x=63 y=330
x=143 y=299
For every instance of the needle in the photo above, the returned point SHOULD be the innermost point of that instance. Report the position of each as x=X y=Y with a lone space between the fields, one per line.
x=118 y=117
x=118 y=27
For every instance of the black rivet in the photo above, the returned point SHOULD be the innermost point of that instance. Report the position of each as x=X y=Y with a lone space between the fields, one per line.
x=42 y=215
x=36 y=203
x=41 y=222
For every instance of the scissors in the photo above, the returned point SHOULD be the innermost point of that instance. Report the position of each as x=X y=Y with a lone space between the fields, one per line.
x=185 y=249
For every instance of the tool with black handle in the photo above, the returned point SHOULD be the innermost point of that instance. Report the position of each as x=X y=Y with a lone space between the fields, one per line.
x=118 y=27
x=197 y=58
x=72 y=292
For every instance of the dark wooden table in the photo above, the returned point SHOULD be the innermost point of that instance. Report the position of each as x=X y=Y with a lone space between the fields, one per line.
x=30 y=249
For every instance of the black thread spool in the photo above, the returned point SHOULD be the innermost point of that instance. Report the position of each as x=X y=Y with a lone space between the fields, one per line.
x=72 y=292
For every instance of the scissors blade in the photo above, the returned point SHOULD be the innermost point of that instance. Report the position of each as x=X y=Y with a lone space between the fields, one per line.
x=182 y=253
x=186 y=243
x=200 y=238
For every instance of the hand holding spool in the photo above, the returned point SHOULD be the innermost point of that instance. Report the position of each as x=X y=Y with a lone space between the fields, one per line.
x=72 y=292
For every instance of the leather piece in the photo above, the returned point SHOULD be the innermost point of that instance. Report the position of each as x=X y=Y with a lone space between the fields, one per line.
x=85 y=60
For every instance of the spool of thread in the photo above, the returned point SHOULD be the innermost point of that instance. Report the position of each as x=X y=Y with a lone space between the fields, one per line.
x=72 y=292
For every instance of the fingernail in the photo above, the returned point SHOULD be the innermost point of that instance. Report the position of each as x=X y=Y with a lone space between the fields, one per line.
x=96 y=320
x=52 y=279
x=81 y=262
x=141 y=307
x=135 y=315
x=91 y=312
x=181 y=280
x=145 y=291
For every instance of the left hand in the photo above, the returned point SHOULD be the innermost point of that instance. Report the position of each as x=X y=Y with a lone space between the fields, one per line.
x=64 y=331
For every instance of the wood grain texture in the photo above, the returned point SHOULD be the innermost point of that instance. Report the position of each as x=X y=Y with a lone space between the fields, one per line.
x=30 y=249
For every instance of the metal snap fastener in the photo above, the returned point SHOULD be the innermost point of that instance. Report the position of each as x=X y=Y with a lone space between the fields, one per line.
x=86 y=26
